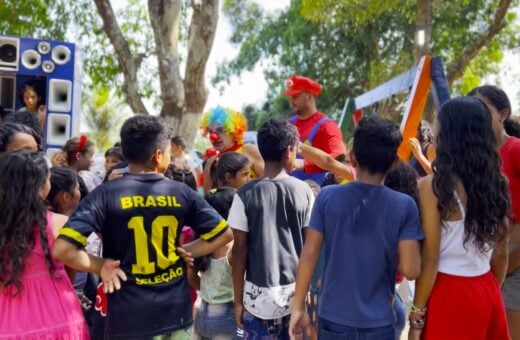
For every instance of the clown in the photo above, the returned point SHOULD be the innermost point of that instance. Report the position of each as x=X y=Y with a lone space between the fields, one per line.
x=225 y=129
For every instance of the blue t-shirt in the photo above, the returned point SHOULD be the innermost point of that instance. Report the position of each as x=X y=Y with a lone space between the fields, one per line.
x=362 y=226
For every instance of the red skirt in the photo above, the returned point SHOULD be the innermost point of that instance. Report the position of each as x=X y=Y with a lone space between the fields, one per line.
x=469 y=308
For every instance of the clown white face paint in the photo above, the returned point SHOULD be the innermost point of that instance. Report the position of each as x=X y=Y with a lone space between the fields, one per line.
x=221 y=140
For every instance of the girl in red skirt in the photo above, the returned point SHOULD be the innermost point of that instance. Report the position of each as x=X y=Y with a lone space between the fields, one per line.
x=464 y=210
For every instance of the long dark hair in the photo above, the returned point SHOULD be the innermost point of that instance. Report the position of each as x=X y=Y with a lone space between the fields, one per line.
x=466 y=151
x=22 y=210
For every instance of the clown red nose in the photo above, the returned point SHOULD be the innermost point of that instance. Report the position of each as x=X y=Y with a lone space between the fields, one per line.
x=213 y=137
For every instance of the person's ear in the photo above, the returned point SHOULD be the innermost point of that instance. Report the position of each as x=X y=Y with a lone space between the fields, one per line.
x=65 y=196
x=504 y=114
x=287 y=152
x=353 y=160
x=157 y=156
x=228 y=177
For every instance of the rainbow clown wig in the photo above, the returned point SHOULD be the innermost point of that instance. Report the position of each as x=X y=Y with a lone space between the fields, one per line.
x=233 y=122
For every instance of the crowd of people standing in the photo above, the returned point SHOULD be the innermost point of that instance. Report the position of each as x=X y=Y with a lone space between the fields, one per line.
x=301 y=236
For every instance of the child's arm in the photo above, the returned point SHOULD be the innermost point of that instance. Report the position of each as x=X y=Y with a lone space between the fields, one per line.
x=326 y=161
x=199 y=247
x=431 y=223
x=79 y=259
x=311 y=251
x=514 y=249
x=193 y=278
x=239 y=255
x=410 y=259
x=499 y=260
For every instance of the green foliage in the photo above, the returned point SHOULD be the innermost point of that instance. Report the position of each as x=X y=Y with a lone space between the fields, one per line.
x=104 y=113
x=100 y=62
x=351 y=46
x=37 y=18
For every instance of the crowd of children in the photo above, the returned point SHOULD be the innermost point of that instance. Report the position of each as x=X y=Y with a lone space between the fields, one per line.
x=265 y=254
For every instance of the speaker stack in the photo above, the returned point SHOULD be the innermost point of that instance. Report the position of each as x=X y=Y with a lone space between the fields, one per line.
x=54 y=68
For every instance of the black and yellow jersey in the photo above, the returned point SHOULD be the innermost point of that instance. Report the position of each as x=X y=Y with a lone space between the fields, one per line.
x=140 y=219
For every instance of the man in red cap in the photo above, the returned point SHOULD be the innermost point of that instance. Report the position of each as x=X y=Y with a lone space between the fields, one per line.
x=314 y=127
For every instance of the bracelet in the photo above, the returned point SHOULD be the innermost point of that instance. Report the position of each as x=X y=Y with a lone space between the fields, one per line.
x=417 y=318
x=418 y=310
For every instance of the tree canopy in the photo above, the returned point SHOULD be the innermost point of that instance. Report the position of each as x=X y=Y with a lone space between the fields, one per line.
x=351 y=46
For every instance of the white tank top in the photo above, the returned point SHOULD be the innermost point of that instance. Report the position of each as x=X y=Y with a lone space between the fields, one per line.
x=457 y=258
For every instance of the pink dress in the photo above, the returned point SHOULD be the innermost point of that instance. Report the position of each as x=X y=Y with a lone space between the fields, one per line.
x=46 y=308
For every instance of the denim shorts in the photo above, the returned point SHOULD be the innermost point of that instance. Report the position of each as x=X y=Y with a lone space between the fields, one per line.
x=328 y=330
x=181 y=334
x=256 y=328
x=216 y=320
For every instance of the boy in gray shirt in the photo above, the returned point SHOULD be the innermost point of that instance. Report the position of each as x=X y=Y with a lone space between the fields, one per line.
x=267 y=216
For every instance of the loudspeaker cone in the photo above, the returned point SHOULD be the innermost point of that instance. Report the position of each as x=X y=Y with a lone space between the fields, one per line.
x=48 y=66
x=31 y=59
x=8 y=53
x=44 y=47
x=60 y=54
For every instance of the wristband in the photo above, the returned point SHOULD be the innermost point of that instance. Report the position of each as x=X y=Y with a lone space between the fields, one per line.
x=417 y=318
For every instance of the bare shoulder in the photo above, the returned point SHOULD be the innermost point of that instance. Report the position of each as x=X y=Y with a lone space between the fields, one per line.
x=57 y=222
x=426 y=184
x=251 y=150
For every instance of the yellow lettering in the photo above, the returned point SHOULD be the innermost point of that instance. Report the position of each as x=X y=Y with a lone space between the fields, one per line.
x=126 y=202
x=175 y=203
x=161 y=201
x=157 y=279
x=164 y=277
x=138 y=201
x=150 y=202
x=179 y=271
x=169 y=201
x=143 y=264
x=169 y=223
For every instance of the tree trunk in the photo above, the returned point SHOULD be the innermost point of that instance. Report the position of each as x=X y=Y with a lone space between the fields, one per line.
x=200 y=42
x=124 y=56
x=165 y=18
x=182 y=100
x=456 y=70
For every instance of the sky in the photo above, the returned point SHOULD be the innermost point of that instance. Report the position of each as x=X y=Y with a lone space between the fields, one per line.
x=250 y=87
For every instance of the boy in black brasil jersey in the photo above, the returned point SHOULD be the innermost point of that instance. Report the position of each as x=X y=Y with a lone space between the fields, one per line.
x=140 y=218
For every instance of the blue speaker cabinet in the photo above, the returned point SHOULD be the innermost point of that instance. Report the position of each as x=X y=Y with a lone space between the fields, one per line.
x=54 y=69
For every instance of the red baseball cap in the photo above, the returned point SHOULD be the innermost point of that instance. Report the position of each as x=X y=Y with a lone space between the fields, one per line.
x=298 y=84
